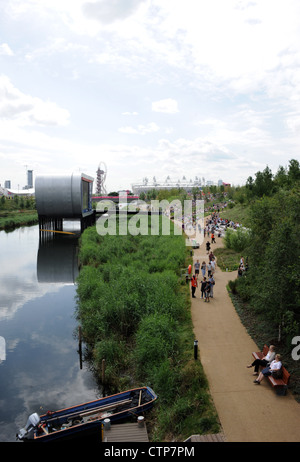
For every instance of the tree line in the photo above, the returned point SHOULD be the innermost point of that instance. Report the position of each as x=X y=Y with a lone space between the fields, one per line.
x=271 y=287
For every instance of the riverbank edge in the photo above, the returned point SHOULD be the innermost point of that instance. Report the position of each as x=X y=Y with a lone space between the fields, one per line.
x=18 y=220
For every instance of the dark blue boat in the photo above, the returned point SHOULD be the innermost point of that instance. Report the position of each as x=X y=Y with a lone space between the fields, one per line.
x=84 y=420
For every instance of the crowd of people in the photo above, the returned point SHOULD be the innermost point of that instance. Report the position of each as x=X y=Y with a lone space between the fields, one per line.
x=205 y=280
x=213 y=228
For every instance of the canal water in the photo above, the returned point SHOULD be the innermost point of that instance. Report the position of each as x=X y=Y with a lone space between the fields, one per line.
x=40 y=367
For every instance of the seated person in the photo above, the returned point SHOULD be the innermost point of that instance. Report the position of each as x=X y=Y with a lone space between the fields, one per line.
x=265 y=361
x=275 y=365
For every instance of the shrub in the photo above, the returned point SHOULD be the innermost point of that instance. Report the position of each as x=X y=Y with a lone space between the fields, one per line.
x=156 y=341
x=237 y=240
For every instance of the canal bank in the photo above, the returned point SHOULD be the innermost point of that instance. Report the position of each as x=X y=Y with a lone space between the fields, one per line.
x=39 y=363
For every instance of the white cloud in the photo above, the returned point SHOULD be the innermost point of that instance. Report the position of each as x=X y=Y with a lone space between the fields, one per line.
x=168 y=105
x=140 y=129
x=127 y=113
x=26 y=109
x=6 y=50
x=107 y=11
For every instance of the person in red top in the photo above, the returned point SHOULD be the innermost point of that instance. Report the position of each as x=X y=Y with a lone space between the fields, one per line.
x=194 y=285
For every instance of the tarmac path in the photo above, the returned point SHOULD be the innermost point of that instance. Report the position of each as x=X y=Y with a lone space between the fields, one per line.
x=247 y=412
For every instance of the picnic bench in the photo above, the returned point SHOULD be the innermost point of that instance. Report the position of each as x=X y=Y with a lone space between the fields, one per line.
x=280 y=385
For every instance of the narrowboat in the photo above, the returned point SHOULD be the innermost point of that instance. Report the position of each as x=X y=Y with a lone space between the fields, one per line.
x=86 y=419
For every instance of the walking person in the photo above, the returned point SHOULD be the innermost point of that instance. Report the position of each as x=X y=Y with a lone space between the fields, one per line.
x=203 y=287
x=207 y=247
x=197 y=268
x=213 y=266
x=207 y=291
x=211 y=286
x=209 y=269
x=194 y=285
x=203 y=268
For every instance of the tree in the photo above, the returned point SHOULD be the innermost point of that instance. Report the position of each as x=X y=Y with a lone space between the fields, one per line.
x=281 y=178
x=293 y=171
x=263 y=182
x=274 y=257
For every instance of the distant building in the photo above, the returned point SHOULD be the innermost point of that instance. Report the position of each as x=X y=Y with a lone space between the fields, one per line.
x=29 y=179
x=7 y=184
x=145 y=185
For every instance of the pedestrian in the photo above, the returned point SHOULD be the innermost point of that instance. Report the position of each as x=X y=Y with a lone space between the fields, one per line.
x=203 y=287
x=207 y=291
x=211 y=256
x=213 y=240
x=197 y=268
x=240 y=271
x=209 y=269
x=213 y=266
x=211 y=286
x=203 y=268
x=207 y=247
x=194 y=285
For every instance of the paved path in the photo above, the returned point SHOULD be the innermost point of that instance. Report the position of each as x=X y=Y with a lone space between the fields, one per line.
x=247 y=412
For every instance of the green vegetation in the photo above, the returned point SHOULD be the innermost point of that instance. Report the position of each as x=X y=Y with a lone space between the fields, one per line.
x=268 y=297
x=17 y=212
x=135 y=313
x=228 y=259
x=239 y=213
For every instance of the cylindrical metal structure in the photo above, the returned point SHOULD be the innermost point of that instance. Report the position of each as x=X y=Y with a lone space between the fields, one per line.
x=64 y=196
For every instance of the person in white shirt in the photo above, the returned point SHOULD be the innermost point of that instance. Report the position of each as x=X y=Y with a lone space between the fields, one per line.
x=275 y=365
x=213 y=266
x=265 y=361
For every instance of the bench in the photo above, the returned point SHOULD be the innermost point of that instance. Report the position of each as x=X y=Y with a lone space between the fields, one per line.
x=280 y=385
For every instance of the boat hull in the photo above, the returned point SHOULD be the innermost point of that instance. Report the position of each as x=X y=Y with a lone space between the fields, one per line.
x=86 y=419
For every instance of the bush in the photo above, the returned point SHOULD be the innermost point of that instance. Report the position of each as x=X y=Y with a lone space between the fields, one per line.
x=237 y=240
x=156 y=341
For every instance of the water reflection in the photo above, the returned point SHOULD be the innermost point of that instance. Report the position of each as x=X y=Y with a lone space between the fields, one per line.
x=58 y=260
x=40 y=369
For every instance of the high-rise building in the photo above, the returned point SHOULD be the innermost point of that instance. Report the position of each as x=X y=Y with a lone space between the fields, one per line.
x=29 y=179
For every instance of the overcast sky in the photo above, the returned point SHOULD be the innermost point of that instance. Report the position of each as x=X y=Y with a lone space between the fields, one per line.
x=207 y=88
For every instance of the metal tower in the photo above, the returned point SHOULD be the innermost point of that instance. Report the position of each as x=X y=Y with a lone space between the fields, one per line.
x=101 y=177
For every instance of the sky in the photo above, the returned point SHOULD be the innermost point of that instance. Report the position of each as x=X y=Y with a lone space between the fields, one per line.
x=148 y=88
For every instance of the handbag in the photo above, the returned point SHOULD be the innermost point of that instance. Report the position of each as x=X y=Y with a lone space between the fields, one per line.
x=278 y=374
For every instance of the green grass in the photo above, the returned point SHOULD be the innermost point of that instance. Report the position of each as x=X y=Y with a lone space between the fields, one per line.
x=228 y=259
x=239 y=214
x=135 y=313
x=11 y=220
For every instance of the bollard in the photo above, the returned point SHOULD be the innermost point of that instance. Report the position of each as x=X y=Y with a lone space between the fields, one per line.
x=140 y=421
x=195 y=349
x=107 y=424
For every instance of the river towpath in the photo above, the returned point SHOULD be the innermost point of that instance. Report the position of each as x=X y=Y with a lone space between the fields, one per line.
x=247 y=412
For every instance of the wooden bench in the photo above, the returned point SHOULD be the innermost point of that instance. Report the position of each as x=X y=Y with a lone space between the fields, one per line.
x=280 y=385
